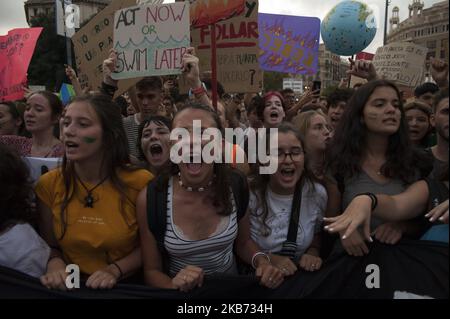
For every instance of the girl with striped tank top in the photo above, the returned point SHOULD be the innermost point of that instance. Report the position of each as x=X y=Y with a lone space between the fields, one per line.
x=200 y=214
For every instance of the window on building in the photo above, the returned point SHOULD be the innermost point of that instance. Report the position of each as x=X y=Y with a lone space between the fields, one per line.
x=35 y=10
x=442 y=54
x=431 y=44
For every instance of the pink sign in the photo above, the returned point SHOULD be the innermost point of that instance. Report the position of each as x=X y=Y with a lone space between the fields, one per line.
x=16 y=50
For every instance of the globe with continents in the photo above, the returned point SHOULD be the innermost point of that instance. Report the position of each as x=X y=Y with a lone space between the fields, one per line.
x=348 y=28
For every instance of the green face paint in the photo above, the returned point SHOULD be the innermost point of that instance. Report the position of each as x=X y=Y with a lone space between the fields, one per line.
x=89 y=140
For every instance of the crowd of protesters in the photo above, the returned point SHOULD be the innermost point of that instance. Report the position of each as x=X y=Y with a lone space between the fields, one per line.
x=120 y=209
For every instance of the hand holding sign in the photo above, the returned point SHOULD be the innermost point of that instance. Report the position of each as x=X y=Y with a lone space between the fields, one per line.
x=439 y=72
x=191 y=71
x=108 y=68
x=363 y=69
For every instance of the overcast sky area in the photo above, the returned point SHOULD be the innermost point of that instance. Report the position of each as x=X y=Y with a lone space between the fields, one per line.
x=12 y=14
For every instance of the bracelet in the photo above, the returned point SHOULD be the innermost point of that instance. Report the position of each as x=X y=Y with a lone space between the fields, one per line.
x=373 y=198
x=259 y=253
x=198 y=92
x=120 y=270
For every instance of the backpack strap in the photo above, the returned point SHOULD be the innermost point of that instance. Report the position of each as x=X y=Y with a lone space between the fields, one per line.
x=239 y=187
x=289 y=247
x=157 y=213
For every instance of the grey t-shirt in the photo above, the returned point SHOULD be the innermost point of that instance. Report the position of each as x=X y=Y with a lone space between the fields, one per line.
x=363 y=183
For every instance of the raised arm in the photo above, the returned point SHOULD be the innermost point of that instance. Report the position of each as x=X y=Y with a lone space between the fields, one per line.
x=70 y=72
x=191 y=73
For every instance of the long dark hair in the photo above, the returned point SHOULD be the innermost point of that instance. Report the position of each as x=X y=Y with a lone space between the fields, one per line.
x=349 y=141
x=221 y=184
x=115 y=157
x=259 y=183
x=16 y=190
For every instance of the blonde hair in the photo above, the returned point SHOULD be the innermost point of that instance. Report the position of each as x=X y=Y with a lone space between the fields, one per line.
x=302 y=121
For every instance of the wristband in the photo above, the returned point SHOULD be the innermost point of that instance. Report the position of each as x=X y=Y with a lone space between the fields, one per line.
x=120 y=270
x=198 y=91
x=373 y=198
x=259 y=253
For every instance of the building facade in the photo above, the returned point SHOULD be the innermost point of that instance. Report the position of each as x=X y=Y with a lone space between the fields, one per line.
x=88 y=8
x=332 y=68
x=427 y=27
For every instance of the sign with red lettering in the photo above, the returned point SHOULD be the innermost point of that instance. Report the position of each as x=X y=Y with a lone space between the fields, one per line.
x=92 y=44
x=206 y=12
x=16 y=50
x=151 y=39
x=237 y=51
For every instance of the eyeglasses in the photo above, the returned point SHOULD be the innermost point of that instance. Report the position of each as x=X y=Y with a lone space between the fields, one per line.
x=295 y=155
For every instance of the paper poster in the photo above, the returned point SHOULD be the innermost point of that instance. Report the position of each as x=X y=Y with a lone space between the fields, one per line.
x=237 y=51
x=16 y=50
x=92 y=44
x=40 y=165
x=401 y=62
x=151 y=39
x=289 y=44
x=206 y=12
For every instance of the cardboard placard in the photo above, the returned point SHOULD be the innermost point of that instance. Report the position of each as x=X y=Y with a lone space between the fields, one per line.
x=289 y=44
x=206 y=12
x=237 y=51
x=401 y=62
x=151 y=40
x=92 y=44
x=16 y=50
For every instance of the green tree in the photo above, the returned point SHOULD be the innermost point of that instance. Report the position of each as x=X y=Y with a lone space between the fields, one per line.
x=47 y=64
x=273 y=81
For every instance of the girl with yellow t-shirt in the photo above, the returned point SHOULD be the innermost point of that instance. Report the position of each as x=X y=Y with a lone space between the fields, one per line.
x=87 y=206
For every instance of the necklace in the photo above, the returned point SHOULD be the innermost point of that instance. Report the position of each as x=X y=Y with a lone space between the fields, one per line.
x=191 y=189
x=88 y=199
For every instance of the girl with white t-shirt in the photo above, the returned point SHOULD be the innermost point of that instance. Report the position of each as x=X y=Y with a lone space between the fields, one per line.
x=272 y=203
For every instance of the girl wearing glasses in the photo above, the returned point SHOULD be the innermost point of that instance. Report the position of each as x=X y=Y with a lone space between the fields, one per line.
x=275 y=198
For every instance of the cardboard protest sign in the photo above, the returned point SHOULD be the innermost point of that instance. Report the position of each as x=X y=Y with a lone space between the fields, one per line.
x=237 y=51
x=206 y=12
x=289 y=44
x=151 y=39
x=401 y=62
x=16 y=50
x=40 y=165
x=92 y=44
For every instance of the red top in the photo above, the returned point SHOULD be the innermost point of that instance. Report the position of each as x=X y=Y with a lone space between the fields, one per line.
x=23 y=145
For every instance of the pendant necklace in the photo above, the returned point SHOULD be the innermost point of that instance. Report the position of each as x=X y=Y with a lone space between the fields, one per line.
x=88 y=199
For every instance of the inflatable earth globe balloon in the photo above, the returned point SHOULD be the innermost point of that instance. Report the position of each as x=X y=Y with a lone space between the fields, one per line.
x=348 y=28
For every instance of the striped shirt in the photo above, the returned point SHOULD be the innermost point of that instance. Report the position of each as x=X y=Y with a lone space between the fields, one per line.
x=131 y=126
x=213 y=254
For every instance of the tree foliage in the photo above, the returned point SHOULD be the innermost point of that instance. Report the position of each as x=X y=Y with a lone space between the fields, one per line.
x=273 y=81
x=47 y=64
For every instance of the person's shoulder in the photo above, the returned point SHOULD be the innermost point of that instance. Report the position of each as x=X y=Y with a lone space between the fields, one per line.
x=51 y=177
x=136 y=177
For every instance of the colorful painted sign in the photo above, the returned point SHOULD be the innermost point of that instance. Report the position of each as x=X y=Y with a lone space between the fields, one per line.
x=289 y=44
x=206 y=12
x=151 y=39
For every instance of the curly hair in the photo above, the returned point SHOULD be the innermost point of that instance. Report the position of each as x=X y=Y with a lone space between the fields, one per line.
x=349 y=141
x=16 y=190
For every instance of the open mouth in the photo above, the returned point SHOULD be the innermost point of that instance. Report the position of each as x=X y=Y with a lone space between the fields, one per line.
x=274 y=115
x=390 y=121
x=71 y=145
x=287 y=172
x=156 y=150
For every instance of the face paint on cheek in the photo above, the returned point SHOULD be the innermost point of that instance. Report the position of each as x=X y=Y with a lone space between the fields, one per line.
x=89 y=140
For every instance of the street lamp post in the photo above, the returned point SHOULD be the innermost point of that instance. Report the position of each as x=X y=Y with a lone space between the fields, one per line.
x=386 y=7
